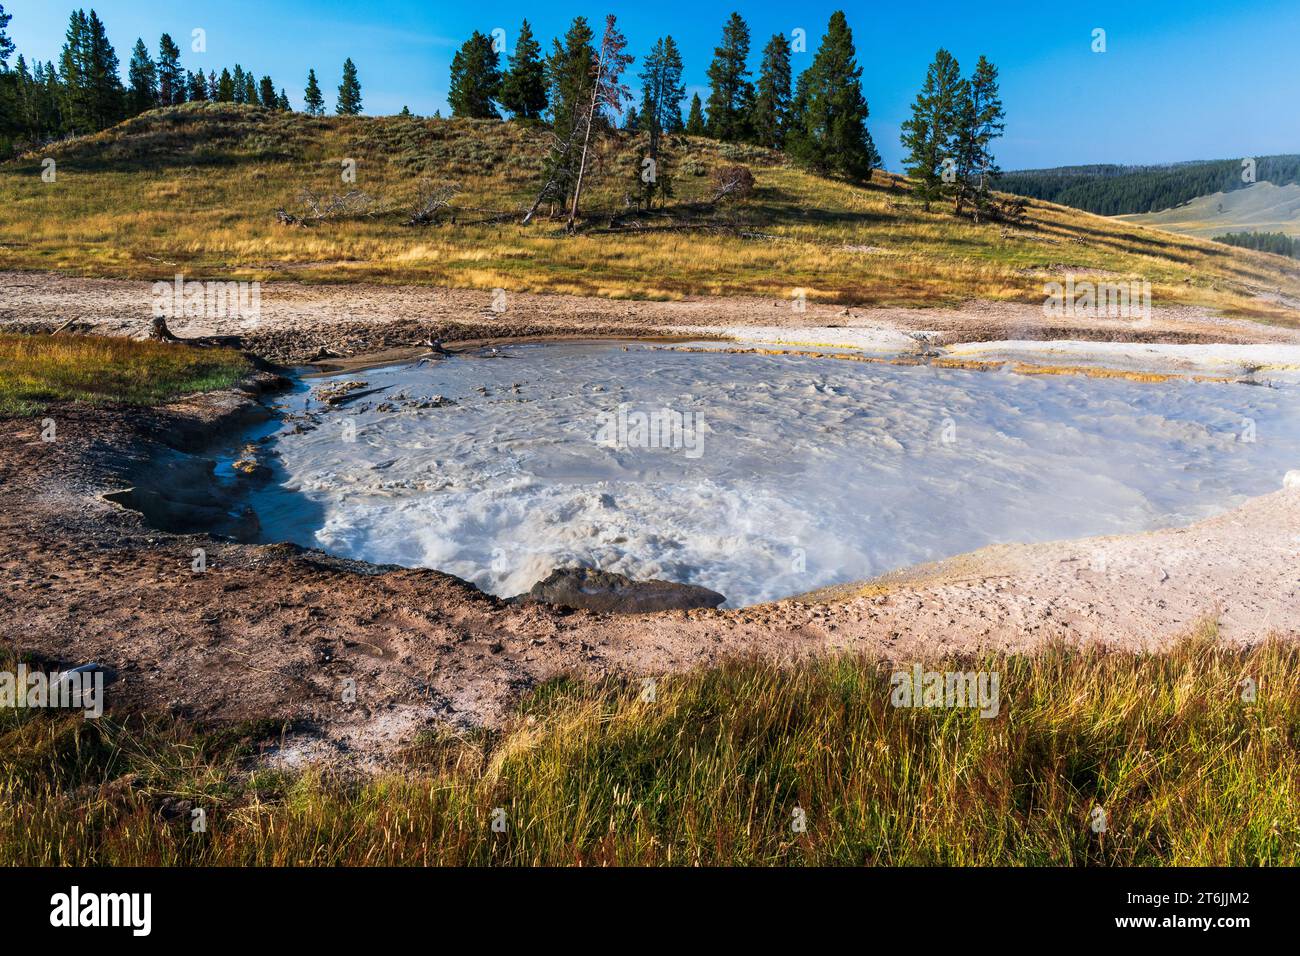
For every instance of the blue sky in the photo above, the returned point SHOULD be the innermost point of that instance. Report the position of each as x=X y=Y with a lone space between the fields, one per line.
x=1180 y=79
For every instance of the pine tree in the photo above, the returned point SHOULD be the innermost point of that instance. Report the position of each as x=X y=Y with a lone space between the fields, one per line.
x=198 y=87
x=730 y=92
x=6 y=44
x=213 y=86
x=250 y=89
x=44 y=104
x=282 y=102
x=523 y=88
x=143 y=77
x=240 y=90
x=52 y=101
x=266 y=94
x=662 y=89
x=828 y=127
x=349 y=102
x=93 y=97
x=673 y=120
x=568 y=71
x=226 y=87
x=662 y=92
x=15 y=99
x=772 y=100
x=695 y=118
x=980 y=121
x=72 y=70
x=17 y=102
x=632 y=121
x=568 y=76
x=313 y=102
x=475 y=79
x=16 y=117
x=171 y=77
x=930 y=135
x=106 y=85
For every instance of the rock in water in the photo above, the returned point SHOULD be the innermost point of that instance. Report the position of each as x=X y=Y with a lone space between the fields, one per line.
x=606 y=591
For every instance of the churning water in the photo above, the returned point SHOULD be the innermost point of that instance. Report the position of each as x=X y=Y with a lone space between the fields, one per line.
x=757 y=476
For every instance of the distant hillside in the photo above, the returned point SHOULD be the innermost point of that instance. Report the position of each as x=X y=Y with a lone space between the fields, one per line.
x=241 y=192
x=1123 y=190
x=1278 y=243
x=1262 y=207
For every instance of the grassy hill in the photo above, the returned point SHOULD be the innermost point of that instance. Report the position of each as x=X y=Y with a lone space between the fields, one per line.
x=195 y=188
x=1261 y=207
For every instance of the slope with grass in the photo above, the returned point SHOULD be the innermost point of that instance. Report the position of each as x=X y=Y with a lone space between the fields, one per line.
x=194 y=189
x=712 y=769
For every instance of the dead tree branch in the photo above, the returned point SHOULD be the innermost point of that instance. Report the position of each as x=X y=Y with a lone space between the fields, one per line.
x=431 y=201
x=322 y=207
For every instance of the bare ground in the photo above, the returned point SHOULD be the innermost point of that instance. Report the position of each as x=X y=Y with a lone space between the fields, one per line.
x=297 y=320
x=273 y=631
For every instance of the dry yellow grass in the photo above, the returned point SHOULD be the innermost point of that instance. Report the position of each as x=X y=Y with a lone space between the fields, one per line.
x=194 y=189
x=1187 y=768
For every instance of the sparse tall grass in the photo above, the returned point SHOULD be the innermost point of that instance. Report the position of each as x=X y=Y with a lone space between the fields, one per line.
x=38 y=369
x=194 y=188
x=711 y=771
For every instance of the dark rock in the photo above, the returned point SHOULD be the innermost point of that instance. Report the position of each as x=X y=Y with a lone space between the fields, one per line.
x=615 y=593
x=249 y=466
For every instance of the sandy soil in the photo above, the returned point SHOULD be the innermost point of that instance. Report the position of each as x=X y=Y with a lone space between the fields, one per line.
x=273 y=631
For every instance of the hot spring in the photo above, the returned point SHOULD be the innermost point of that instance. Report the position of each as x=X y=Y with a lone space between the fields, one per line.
x=758 y=476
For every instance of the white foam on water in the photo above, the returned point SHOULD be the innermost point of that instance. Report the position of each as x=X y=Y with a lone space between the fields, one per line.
x=811 y=471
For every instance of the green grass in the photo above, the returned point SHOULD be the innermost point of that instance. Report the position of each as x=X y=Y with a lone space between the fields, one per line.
x=712 y=770
x=36 y=370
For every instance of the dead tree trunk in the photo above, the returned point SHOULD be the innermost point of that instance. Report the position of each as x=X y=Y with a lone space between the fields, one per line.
x=586 y=138
x=158 y=331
